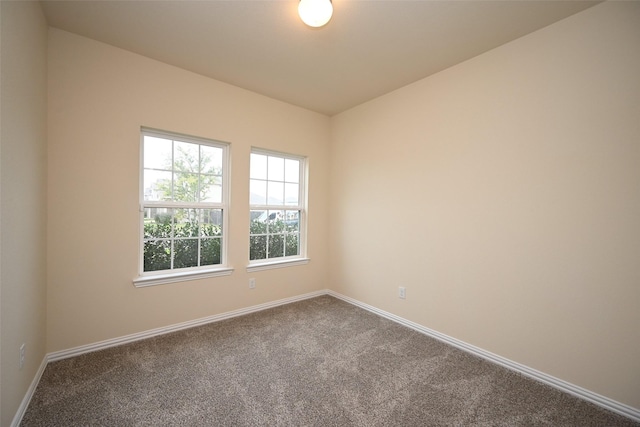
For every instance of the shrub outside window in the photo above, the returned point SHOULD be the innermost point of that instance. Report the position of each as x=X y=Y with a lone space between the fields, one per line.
x=183 y=203
x=276 y=224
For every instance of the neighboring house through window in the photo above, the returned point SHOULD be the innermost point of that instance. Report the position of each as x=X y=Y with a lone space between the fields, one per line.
x=277 y=209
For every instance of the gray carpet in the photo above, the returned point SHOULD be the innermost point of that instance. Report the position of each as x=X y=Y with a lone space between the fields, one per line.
x=318 y=362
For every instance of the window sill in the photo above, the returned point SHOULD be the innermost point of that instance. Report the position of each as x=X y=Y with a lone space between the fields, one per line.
x=269 y=265
x=163 y=279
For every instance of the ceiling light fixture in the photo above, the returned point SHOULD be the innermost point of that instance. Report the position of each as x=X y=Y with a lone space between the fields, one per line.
x=315 y=13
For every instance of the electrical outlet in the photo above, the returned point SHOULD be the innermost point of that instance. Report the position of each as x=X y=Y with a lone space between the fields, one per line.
x=252 y=283
x=22 y=352
x=402 y=292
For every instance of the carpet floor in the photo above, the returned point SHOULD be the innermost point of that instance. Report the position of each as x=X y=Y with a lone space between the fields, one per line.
x=318 y=362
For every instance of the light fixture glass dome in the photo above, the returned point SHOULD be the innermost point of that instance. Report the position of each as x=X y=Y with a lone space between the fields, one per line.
x=315 y=13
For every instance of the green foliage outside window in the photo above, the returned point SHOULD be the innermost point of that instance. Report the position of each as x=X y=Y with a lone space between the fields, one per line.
x=188 y=237
x=273 y=239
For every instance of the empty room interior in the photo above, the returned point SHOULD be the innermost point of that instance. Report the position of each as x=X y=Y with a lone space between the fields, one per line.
x=467 y=169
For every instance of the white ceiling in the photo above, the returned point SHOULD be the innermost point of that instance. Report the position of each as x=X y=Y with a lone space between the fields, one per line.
x=368 y=48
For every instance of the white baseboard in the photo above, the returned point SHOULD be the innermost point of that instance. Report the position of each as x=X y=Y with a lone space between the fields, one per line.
x=557 y=383
x=17 y=419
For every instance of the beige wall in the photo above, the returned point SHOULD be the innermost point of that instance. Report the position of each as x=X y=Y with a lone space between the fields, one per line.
x=23 y=199
x=504 y=194
x=512 y=181
x=99 y=97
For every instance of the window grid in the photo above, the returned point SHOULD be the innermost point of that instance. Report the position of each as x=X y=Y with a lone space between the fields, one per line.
x=183 y=203
x=276 y=203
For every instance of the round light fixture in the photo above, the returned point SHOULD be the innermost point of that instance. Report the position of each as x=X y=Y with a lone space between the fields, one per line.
x=315 y=13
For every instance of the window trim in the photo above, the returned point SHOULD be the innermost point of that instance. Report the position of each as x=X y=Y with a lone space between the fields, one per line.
x=182 y=276
x=302 y=206
x=150 y=278
x=259 y=265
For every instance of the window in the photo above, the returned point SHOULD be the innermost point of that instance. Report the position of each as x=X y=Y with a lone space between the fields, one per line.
x=183 y=199
x=277 y=195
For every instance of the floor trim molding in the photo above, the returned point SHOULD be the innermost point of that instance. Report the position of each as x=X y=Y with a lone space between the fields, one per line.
x=17 y=419
x=602 y=401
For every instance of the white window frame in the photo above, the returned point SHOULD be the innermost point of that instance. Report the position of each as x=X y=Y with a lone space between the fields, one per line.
x=150 y=278
x=292 y=260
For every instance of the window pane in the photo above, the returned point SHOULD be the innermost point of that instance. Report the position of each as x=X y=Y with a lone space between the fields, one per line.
x=185 y=253
x=257 y=192
x=292 y=170
x=258 y=222
x=210 y=160
x=157 y=223
x=276 y=168
x=211 y=222
x=186 y=223
x=292 y=221
x=157 y=185
x=210 y=188
x=291 y=247
x=157 y=153
x=157 y=255
x=186 y=157
x=258 y=166
x=185 y=187
x=291 y=194
x=275 y=192
x=276 y=222
x=276 y=245
x=210 y=251
x=257 y=247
